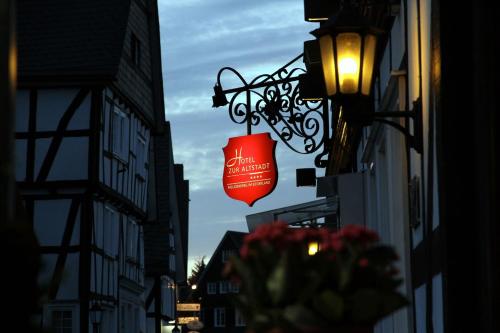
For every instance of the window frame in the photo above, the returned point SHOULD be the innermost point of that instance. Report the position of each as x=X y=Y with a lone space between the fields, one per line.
x=118 y=146
x=55 y=309
x=239 y=320
x=219 y=317
x=224 y=287
x=234 y=287
x=141 y=155
x=211 y=291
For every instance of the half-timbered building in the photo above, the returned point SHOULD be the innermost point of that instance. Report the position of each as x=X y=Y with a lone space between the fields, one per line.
x=90 y=135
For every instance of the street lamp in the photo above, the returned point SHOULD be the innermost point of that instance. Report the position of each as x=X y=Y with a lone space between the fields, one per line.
x=176 y=329
x=347 y=45
x=313 y=248
x=96 y=317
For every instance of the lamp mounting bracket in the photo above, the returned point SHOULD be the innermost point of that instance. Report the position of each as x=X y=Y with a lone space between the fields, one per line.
x=274 y=99
x=415 y=140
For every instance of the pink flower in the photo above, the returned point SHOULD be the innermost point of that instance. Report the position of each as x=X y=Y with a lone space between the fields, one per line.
x=363 y=262
x=358 y=234
x=244 y=251
x=332 y=242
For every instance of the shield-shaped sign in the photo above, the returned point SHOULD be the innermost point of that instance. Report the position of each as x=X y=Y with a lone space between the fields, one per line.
x=250 y=171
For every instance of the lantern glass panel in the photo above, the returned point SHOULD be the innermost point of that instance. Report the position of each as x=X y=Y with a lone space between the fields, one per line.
x=328 y=62
x=368 y=62
x=348 y=55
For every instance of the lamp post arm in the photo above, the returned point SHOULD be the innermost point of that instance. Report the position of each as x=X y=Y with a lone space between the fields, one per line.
x=395 y=114
x=414 y=140
x=275 y=100
x=394 y=125
x=260 y=85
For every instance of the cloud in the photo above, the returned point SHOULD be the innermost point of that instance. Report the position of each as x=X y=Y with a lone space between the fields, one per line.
x=198 y=38
x=255 y=37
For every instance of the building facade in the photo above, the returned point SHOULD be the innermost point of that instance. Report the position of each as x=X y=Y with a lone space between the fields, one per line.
x=90 y=136
x=436 y=200
x=434 y=205
x=214 y=291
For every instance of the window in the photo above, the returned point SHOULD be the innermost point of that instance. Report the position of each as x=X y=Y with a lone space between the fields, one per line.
x=211 y=288
x=135 y=51
x=122 y=315
x=238 y=319
x=108 y=235
x=223 y=287
x=226 y=254
x=140 y=151
x=62 y=321
x=132 y=233
x=219 y=317
x=120 y=137
x=234 y=287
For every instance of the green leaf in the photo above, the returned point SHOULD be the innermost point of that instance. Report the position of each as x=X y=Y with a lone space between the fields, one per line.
x=330 y=305
x=365 y=305
x=392 y=301
x=310 y=287
x=380 y=255
x=369 y=305
x=248 y=281
x=276 y=283
x=302 y=317
x=344 y=277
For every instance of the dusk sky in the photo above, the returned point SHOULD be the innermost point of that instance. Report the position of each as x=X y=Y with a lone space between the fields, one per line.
x=198 y=38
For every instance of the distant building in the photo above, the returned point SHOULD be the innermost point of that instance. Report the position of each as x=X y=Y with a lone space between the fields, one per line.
x=218 y=314
x=94 y=164
x=165 y=236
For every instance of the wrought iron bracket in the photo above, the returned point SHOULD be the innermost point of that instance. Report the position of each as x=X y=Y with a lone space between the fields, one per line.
x=274 y=99
x=415 y=140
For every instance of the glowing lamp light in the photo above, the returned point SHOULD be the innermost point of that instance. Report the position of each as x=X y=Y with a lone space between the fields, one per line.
x=313 y=248
x=348 y=49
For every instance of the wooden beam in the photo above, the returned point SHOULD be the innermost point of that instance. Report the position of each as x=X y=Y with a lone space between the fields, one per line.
x=57 y=140
x=66 y=241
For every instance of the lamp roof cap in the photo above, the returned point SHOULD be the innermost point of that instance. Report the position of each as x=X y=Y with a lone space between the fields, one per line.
x=347 y=19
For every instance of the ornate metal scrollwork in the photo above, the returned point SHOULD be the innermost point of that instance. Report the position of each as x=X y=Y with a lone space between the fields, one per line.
x=274 y=99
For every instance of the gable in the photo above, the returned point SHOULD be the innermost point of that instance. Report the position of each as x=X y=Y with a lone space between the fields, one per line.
x=232 y=240
x=69 y=39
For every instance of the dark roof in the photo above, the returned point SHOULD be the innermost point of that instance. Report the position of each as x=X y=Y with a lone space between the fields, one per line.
x=236 y=237
x=70 y=37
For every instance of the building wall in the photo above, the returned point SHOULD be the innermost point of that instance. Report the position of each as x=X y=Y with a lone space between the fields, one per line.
x=219 y=298
x=54 y=168
x=40 y=114
x=424 y=166
x=388 y=169
x=124 y=150
x=135 y=81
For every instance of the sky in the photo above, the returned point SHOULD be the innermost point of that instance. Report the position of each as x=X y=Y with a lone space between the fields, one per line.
x=198 y=38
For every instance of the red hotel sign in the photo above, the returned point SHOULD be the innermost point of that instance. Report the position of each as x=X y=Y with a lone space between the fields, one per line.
x=250 y=171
